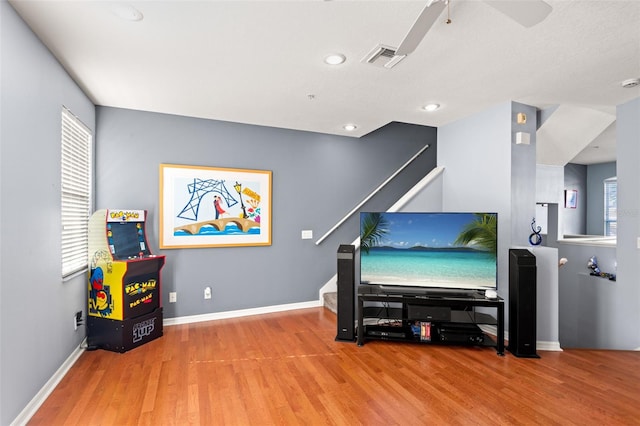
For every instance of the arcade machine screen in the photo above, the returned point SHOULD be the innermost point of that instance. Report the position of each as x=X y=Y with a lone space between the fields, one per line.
x=127 y=239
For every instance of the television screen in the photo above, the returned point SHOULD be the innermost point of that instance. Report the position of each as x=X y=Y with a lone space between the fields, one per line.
x=126 y=239
x=435 y=250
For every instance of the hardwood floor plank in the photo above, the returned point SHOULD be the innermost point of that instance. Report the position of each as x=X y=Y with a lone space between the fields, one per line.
x=287 y=369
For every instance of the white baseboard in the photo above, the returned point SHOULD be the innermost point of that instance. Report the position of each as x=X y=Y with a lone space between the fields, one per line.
x=548 y=346
x=540 y=345
x=240 y=313
x=48 y=387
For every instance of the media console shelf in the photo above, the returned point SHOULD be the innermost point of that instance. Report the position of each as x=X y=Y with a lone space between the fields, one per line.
x=427 y=318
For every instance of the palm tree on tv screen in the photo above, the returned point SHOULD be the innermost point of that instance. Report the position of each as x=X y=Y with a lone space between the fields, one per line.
x=482 y=233
x=374 y=227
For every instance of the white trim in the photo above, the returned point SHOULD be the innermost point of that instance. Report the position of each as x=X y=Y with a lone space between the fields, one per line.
x=590 y=241
x=424 y=182
x=37 y=401
x=240 y=313
x=540 y=345
x=548 y=346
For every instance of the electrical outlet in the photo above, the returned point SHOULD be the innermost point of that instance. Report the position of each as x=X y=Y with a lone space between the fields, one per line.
x=77 y=320
x=173 y=297
x=207 y=293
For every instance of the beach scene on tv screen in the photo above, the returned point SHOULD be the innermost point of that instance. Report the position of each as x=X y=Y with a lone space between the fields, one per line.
x=449 y=250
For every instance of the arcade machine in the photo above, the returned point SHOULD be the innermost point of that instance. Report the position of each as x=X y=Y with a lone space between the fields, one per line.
x=124 y=299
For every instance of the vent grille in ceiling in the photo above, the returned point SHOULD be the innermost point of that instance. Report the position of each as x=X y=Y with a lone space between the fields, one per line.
x=383 y=56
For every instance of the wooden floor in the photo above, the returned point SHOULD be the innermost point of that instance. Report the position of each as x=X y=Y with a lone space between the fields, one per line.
x=286 y=369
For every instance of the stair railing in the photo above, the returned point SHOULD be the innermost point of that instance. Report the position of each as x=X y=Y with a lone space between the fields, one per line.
x=368 y=197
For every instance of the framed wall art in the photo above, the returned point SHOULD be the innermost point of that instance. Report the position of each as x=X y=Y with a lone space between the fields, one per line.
x=214 y=207
x=570 y=198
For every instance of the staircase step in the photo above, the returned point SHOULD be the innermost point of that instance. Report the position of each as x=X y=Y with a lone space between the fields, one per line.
x=331 y=301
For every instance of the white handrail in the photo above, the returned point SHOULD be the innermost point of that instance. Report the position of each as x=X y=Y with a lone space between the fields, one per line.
x=374 y=192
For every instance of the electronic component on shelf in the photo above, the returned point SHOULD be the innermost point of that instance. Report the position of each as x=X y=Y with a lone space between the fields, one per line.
x=460 y=333
x=383 y=331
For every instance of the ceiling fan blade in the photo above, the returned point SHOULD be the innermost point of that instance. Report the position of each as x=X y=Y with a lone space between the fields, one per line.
x=525 y=12
x=416 y=33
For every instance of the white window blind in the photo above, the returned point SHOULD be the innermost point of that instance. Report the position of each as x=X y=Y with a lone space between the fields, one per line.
x=76 y=166
x=611 y=206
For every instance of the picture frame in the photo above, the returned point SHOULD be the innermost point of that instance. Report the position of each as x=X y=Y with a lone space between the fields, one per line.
x=203 y=206
x=570 y=198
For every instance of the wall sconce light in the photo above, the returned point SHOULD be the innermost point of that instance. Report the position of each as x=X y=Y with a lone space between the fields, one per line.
x=521 y=118
x=523 y=138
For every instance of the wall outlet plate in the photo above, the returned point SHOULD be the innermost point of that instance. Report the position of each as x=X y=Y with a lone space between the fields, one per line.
x=77 y=320
x=207 y=293
x=173 y=297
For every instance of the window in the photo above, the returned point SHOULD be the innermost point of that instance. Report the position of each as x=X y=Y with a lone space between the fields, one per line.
x=610 y=206
x=76 y=166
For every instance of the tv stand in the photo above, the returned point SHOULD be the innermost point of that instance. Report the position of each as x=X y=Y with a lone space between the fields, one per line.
x=421 y=317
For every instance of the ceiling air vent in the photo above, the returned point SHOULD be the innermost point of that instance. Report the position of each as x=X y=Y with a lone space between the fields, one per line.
x=383 y=56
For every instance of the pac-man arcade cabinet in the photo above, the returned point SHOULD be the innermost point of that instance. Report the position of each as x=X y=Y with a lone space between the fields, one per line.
x=124 y=293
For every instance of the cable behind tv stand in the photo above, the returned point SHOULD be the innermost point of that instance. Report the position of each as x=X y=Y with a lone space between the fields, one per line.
x=436 y=318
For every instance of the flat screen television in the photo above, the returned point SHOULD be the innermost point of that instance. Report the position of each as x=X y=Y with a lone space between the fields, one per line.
x=433 y=251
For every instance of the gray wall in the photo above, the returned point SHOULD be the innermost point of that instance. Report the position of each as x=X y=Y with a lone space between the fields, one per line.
x=317 y=179
x=523 y=176
x=574 y=221
x=586 y=302
x=549 y=183
x=549 y=195
x=596 y=174
x=36 y=307
x=596 y=312
x=587 y=218
x=470 y=150
x=486 y=187
x=625 y=311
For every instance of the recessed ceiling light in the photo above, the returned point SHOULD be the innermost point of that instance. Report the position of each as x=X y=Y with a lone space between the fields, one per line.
x=349 y=127
x=431 y=107
x=335 y=59
x=632 y=82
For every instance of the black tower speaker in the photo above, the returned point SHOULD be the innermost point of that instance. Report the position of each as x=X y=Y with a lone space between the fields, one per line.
x=522 y=303
x=346 y=293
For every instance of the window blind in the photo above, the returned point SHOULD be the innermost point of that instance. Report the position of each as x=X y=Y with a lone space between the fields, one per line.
x=611 y=206
x=76 y=188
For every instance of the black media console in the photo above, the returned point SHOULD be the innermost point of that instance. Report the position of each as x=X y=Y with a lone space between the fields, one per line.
x=426 y=317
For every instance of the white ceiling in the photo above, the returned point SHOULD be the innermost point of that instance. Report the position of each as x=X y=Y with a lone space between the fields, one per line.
x=261 y=62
